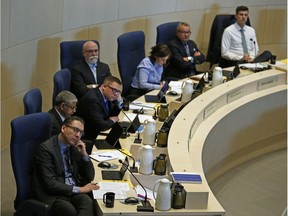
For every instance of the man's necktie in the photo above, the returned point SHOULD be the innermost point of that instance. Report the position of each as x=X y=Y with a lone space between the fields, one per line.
x=187 y=49
x=107 y=105
x=244 y=44
x=93 y=68
x=71 y=178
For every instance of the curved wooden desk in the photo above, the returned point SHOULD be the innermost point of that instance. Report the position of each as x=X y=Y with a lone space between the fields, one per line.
x=231 y=123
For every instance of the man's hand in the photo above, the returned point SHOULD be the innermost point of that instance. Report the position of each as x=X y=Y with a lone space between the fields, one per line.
x=89 y=187
x=247 y=58
x=114 y=118
x=91 y=86
x=81 y=146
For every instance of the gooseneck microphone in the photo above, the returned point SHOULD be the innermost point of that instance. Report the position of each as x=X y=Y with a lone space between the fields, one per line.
x=254 y=46
x=133 y=168
x=143 y=106
x=146 y=206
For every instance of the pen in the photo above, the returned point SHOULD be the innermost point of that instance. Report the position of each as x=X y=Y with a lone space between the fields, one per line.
x=105 y=156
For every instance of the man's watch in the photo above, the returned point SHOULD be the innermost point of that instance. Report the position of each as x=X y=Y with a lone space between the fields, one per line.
x=94 y=86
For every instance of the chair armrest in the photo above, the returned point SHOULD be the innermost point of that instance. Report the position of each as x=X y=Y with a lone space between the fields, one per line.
x=33 y=207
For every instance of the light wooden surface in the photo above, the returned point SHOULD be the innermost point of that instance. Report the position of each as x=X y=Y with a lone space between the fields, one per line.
x=188 y=148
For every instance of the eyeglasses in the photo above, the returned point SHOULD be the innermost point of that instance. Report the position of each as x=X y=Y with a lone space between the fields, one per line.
x=114 y=90
x=76 y=130
x=184 y=32
x=91 y=51
x=71 y=107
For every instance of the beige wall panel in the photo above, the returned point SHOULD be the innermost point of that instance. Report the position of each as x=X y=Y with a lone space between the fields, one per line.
x=5 y=14
x=17 y=77
x=276 y=25
x=32 y=19
x=47 y=91
x=80 y=13
x=183 y=5
x=13 y=107
x=132 y=8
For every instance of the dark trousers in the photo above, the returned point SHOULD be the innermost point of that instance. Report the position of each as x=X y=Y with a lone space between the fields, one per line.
x=263 y=57
x=76 y=205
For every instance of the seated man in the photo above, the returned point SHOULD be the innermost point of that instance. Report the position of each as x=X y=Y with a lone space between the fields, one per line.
x=88 y=73
x=65 y=107
x=185 y=54
x=100 y=107
x=239 y=42
x=63 y=172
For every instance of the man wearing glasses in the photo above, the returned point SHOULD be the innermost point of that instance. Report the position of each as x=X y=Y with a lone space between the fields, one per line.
x=65 y=106
x=100 y=107
x=185 y=54
x=90 y=72
x=63 y=172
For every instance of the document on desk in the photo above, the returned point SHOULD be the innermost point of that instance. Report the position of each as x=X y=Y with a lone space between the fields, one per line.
x=136 y=105
x=176 y=86
x=106 y=155
x=119 y=188
x=142 y=118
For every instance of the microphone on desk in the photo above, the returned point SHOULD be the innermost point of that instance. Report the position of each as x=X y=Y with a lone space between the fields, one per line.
x=254 y=45
x=143 y=106
x=146 y=206
x=133 y=168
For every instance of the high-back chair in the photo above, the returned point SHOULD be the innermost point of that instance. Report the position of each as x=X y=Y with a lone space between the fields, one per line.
x=166 y=32
x=131 y=51
x=28 y=132
x=219 y=24
x=71 y=51
x=61 y=81
x=32 y=101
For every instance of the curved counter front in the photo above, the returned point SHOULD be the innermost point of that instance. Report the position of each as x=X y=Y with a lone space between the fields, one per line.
x=228 y=125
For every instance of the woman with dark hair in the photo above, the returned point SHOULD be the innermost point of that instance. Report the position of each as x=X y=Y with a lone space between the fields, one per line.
x=149 y=72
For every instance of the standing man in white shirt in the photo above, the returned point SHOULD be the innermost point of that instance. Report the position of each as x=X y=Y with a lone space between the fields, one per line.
x=239 y=42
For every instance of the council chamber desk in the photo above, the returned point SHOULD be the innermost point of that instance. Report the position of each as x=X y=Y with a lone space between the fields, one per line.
x=228 y=125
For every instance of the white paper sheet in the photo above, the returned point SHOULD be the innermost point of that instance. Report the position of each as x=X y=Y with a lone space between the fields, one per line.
x=118 y=188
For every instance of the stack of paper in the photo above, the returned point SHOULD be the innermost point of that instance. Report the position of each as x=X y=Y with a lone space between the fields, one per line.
x=118 y=188
x=176 y=86
x=131 y=116
x=106 y=155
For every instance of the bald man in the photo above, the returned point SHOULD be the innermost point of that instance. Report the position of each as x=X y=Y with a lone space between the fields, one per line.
x=90 y=72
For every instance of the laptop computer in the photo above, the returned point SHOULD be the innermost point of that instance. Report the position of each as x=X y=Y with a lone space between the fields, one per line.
x=112 y=139
x=131 y=126
x=160 y=97
x=201 y=83
x=232 y=74
x=116 y=174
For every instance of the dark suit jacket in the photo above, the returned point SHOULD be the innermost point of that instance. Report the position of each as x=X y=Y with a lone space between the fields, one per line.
x=178 y=68
x=56 y=122
x=92 y=109
x=81 y=76
x=49 y=179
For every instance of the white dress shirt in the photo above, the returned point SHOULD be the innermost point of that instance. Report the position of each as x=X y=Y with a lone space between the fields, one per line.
x=231 y=46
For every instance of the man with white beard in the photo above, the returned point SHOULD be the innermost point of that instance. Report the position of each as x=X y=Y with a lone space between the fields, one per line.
x=89 y=72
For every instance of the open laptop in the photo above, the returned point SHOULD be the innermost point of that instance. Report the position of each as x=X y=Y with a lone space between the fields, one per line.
x=160 y=97
x=112 y=139
x=131 y=126
x=201 y=83
x=116 y=174
x=232 y=74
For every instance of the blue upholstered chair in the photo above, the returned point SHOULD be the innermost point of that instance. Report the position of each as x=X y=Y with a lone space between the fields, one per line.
x=131 y=51
x=28 y=132
x=220 y=22
x=71 y=51
x=61 y=81
x=32 y=101
x=166 y=32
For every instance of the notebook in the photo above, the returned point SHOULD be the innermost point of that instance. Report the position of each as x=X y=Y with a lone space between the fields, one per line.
x=132 y=126
x=160 y=97
x=112 y=139
x=116 y=174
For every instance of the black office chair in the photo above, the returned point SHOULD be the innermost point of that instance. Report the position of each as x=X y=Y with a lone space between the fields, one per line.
x=71 y=51
x=28 y=132
x=32 y=101
x=61 y=81
x=131 y=51
x=166 y=32
x=219 y=24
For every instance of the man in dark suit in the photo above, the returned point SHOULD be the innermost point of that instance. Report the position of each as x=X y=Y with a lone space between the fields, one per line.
x=100 y=107
x=90 y=72
x=185 y=54
x=65 y=107
x=63 y=172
